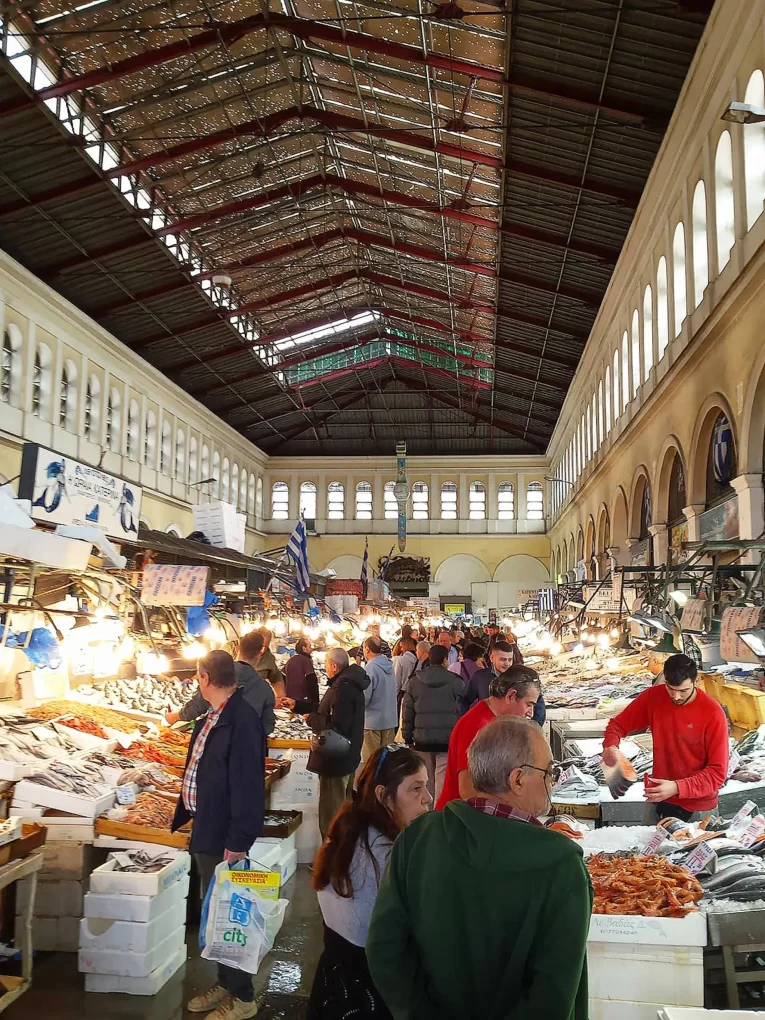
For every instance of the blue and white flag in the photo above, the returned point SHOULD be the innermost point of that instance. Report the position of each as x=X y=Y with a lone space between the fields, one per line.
x=722 y=450
x=365 y=566
x=297 y=550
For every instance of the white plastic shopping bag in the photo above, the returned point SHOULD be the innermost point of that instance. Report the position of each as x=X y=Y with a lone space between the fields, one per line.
x=242 y=916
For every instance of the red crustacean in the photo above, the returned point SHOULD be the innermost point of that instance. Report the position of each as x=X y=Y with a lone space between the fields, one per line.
x=650 y=886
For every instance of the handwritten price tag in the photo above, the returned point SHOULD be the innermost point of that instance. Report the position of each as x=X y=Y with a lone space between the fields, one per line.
x=740 y=817
x=655 y=841
x=754 y=829
x=733 y=764
x=699 y=858
x=125 y=795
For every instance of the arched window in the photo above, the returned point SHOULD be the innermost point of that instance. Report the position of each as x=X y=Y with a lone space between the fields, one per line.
x=390 y=506
x=583 y=458
x=216 y=475
x=754 y=152
x=477 y=501
x=506 y=502
x=10 y=370
x=132 y=430
x=662 y=308
x=204 y=463
x=700 y=250
x=645 y=513
x=335 y=501
x=607 y=402
x=150 y=440
x=280 y=501
x=535 y=509
x=678 y=276
x=617 y=388
x=243 y=491
x=589 y=435
x=193 y=460
x=721 y=461
x=625 y=370
x=259 y=499
x=594 y=406
x=41 y=382
x=113 y=420
x=364 y=501
x=180 y=456
x=601 y=413
x=67 y=398
x=165 y=448
x=251 y=501
x=449 y=501
x=308 y=500
x=725 y=212
x=225 y=486
x=420 y=510
x=635 y=352
x=677 y=496
x=647 y=332
x=234 y=490
x=92 y=409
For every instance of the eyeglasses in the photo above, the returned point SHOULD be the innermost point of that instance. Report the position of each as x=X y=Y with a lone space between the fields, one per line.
x=386 y=751
x=553 y=770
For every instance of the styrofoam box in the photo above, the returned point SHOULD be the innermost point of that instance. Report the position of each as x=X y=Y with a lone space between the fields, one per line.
x=60 y=827
x=117 y=961
x=286 y=846
x=288 y=867
x=66 y=860
x=149 y=985
x=98 y=933
x=106 y=880
x=72 y=803
x=690 y=930
x=121 y=907
x=265 y=856
x=669 y=975
x=680 y=1013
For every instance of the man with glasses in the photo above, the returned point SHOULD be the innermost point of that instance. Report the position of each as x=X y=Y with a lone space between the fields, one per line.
x=514 y=692
x=483 y=913
x=690 y=743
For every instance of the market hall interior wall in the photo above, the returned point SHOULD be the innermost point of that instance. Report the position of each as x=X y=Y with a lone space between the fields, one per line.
x=684 y=362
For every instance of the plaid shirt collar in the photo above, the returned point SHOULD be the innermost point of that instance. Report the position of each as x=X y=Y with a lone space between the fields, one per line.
x=499 y=810
x=189 y=786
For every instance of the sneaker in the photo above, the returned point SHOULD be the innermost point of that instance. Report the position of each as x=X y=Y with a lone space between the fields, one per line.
x=208 y=1000
x=234 y=1009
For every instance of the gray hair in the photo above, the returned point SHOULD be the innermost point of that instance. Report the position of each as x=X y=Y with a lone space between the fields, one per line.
x=499 y=748
x=423 y=646
x=339 y=656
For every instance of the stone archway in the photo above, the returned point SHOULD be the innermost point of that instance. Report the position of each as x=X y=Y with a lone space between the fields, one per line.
x=516 y=573
x=619 y=526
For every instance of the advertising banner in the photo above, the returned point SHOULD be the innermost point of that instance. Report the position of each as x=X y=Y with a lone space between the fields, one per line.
x=171 y=585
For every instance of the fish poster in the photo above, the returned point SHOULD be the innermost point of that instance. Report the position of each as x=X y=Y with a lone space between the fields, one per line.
x=65 y=491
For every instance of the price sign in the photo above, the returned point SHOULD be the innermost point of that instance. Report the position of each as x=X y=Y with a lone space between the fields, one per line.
x=699 y=858
x=125 y=795
x=754 y=829
x=124 y=860
x=734 y=762
x=739 y=820
x=655 y=841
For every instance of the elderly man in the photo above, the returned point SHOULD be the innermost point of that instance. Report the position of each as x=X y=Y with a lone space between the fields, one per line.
x=422 y=652
x=342 y=710
x=514 y=692
x=445 y=639
x=483 y=913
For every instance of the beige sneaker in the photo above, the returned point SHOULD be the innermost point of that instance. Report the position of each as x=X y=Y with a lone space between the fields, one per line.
x=208 y=1000
x=234 y=1009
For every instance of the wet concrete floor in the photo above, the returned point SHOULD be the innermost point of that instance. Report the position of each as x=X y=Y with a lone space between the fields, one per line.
x=282 y=986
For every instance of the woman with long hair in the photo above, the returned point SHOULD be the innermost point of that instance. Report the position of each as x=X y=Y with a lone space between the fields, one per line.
x=392 y=792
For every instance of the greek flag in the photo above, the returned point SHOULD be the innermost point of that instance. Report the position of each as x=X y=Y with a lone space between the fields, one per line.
x=722 y=449
x=297 y=550
x=365 y=566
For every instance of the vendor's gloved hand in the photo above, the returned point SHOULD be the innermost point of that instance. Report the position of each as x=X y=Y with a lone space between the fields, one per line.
x=610 y=756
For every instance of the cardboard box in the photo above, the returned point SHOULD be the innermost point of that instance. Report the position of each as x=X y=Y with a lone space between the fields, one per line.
x=54 y=898
x=122 y=964
x=121 y=907
x=97 y=934
x=66 y=860
x=106 y=880
x=149 y=985
x=53 y=934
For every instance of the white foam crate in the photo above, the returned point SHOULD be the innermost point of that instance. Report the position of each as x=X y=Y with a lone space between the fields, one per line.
x=288 y=867
x=106 y=880
x=265 y=856
x=681 y=1013
x=122 y=964
x=668 y=975
x=97 y=934
x=690 y=930
x=148 y=985
x=122 y=907
x=71 y=803
x=286 y=846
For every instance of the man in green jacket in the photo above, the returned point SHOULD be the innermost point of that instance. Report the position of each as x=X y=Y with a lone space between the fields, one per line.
x=483 y=914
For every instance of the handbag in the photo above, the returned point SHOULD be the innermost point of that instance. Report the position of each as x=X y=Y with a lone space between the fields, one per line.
x=330 y=744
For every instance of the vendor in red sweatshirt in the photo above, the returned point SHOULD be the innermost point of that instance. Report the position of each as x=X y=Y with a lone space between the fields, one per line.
x=690 y=743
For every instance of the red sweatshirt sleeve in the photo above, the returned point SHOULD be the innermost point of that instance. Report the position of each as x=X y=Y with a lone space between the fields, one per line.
x=707 y=781
x=634 y=719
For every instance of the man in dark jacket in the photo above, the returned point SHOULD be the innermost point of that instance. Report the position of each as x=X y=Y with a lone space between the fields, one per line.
x=342 y=709
x=502 y=656
x=428 y=713
x=257 y=691
x=223 y=791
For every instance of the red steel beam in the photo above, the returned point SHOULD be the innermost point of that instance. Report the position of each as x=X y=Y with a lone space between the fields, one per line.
x=475 y=383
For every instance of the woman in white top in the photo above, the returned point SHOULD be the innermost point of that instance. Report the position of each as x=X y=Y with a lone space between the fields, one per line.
x=392 y=792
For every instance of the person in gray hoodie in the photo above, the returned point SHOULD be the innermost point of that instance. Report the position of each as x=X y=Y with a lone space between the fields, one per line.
x=381 y=717
x=428 y=713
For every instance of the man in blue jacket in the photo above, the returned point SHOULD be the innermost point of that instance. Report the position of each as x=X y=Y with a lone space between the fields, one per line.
x=502 y=656
x=223 y=791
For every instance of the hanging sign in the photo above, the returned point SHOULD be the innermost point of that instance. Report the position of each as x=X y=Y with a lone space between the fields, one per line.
x=170 y=585
x=65 y=491
x=455 y=609
x=720 y=523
